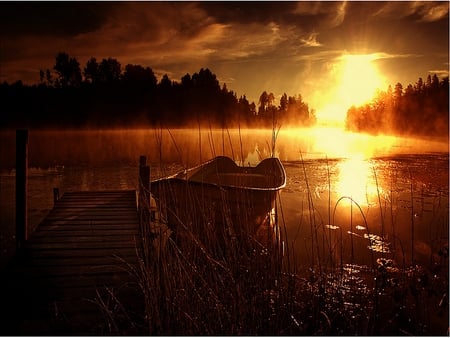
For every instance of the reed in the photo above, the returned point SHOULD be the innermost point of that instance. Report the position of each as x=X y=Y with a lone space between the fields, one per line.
x=222 y=283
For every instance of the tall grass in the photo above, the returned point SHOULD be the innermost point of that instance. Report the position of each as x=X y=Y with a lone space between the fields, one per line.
x=224 y=283
x=198 y=287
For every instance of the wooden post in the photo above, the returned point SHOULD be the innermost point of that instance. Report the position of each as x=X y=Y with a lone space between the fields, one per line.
x=142 y=161
x=21 y=187
x=144 y=206
x=55 y=195
x=144 y=179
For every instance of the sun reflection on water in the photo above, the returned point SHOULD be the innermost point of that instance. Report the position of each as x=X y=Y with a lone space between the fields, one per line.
x=356 y=180
x=337 y=142
x=333 y=142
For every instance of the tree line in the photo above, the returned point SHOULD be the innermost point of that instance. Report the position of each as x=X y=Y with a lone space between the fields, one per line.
x=105 y=94
x=420 y=109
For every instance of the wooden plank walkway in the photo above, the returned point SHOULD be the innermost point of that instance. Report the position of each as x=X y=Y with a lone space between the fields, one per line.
x=73 y=276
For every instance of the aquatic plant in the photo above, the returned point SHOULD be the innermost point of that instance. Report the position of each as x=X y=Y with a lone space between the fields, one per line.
x=245 y=286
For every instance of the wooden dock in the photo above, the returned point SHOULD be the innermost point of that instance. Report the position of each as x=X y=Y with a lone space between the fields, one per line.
x=73 y=275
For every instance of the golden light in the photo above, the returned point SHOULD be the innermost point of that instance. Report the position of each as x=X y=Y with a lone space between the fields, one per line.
x=336 y=142
x=360 y=79
x=357 y=79
x=356 y=180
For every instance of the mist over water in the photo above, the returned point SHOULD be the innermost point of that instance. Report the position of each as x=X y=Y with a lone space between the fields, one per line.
x=392 y=181
x=189 y=147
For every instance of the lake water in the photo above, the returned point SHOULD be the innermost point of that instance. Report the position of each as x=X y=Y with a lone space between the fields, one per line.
x=399 y=186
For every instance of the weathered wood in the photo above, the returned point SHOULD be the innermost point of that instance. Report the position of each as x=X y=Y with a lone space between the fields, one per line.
x=94 y=214
x=91 y=252
x=55 y=195
x=144 y=180
x=144 y=203
x=75 y=261
x=85 y=247
x=142 y=161
x=90 y=233
x=80 y=245
x=87 y=224
x=21 y=187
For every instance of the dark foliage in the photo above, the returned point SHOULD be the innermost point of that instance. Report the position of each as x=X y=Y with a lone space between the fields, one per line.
x=105 y=95
x=420 y=109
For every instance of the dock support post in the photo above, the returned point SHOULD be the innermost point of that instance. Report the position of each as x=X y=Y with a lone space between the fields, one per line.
x=55 y=195
x=144 y=179
x=144 y=206
x=21 y=187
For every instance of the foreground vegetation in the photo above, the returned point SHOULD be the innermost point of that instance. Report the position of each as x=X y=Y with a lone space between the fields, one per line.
x=190 y=292
x=252 y=286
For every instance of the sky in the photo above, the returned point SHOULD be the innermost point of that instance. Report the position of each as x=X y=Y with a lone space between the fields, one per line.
x=334 y=54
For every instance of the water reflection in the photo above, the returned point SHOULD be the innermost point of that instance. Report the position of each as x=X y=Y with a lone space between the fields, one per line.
x=338 y=143
x=390 y=192
x=97 y=147
x=411 y=185
x=377 y=243
x=356 y=180
x=254 y=157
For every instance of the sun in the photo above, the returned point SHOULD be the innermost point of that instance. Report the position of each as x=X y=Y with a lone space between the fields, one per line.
x=360 y=78
x=356 y=79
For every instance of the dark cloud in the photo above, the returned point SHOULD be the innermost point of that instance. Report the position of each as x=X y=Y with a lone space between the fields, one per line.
x=305 y=16
x=289 y=45
x=248 y=12
x=425 y=11
x=52 y=18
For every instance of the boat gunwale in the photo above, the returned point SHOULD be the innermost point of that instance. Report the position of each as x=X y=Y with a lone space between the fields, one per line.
x=176 y=177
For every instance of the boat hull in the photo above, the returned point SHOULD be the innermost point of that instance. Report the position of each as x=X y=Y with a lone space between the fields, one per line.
x=220 y=204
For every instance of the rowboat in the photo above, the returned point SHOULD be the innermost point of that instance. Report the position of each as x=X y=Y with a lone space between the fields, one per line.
x=219 y=198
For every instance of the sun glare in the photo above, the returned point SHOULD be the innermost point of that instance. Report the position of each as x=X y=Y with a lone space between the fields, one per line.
x=357 y=78
x=360 y=79
x=356 y=181
x=336 y=142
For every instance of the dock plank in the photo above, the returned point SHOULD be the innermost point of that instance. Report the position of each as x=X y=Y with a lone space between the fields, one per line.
x=84 y=249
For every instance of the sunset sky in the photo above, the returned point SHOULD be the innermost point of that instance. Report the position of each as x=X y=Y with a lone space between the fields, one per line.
x=333 y=53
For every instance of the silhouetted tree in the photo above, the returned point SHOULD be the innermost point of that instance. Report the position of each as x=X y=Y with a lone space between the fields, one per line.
x=284 y=103
x=108 y=97
x=186 y=82
x=68 y=70
x=270 y=100
x=165 y=84
x=137 y=75
x=435 y=82
x=245 y=111
x=45 y=78
x=428 y=81
x=48 y=76
x=263 y=103
x=91 y=71
x=409 y=91
x=398 y=92
x=41 y=75
x=206 y=80
x=420 y=109
x=419 y=85
x=109 y=71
